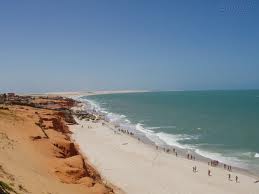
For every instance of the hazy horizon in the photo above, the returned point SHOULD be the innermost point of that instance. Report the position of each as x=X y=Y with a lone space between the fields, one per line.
x=48 y=46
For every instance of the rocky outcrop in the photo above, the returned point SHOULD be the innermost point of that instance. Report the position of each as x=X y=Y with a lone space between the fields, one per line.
x=85 y=115
x=67 y=116
x=60 y=126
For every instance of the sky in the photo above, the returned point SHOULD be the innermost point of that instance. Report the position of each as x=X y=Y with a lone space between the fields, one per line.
x=81 y=45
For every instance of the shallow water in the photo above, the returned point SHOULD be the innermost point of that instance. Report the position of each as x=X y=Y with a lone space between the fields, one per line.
x=222 y=125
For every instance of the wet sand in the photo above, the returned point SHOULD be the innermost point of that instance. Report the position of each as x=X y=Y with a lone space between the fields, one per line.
x=138 y=168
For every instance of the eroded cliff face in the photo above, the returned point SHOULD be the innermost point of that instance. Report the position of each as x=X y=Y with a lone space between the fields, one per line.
x=38 y=151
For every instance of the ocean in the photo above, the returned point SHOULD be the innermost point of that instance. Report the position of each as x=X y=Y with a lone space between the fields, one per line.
x=220 y=125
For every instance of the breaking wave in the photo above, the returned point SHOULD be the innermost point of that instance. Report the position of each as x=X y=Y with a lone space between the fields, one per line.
x=155 y=135
x=221 y=158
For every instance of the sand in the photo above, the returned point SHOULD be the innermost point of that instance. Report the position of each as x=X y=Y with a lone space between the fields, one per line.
x=32 y=163
x=46 y=161
x=85 y=93
x=138 y=168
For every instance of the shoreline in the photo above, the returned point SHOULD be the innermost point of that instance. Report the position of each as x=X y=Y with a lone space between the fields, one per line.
x=200 y=160
x=85 y=93
x=80 y=156
x=182 y=152
x=122 y=148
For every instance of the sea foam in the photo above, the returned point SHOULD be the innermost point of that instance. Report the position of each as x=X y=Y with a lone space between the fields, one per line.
x=160 y=138
x=221 y=158
x=173 y=140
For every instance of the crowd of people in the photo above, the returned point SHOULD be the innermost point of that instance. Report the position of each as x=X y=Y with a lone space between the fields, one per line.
x=213 y=163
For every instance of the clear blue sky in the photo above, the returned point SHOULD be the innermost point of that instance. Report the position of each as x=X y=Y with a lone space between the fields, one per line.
x=58 y=45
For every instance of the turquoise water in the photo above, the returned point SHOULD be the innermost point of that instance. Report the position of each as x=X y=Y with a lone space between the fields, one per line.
x=222 y=125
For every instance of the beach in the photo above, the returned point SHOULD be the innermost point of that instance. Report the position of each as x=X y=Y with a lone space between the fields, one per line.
x=220 y=125
x=49 y=147
x=129 y=97
x=136 y=167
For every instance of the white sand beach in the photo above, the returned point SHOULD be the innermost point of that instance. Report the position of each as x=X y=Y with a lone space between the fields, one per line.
x=70 y=94
x=138 y=168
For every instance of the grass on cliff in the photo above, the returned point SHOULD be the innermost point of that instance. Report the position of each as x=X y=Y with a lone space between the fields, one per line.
x=6 y=189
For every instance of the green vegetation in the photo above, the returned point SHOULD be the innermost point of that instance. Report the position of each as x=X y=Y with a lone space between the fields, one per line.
x=5 y=188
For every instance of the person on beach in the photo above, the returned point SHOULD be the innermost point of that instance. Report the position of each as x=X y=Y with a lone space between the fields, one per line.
x=236 y=179
x=157 y=147
x=209 y=172
x=229 y=176
x=225 y=166
x=176 y=154
x=229 y=168
x=188 y=156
